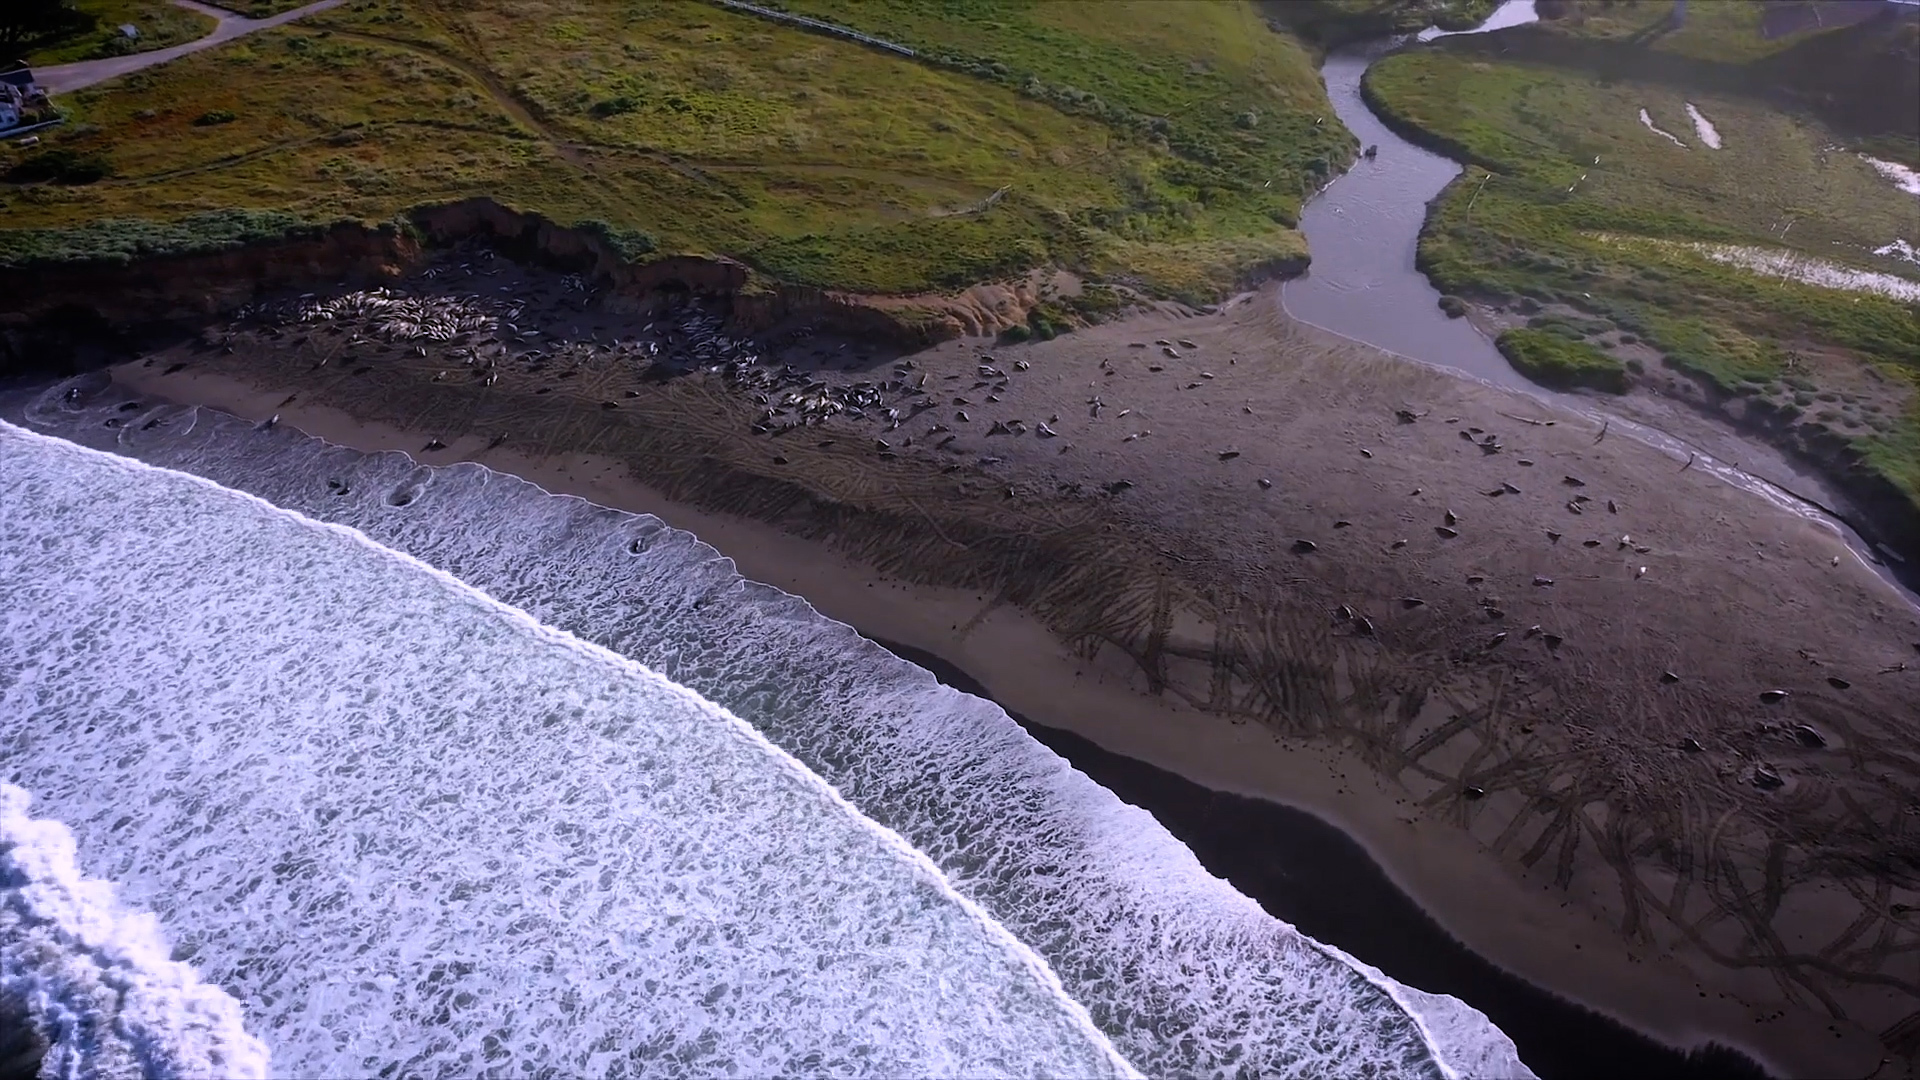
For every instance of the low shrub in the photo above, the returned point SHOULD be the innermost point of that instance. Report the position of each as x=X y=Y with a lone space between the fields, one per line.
x=122 y=240
x=613 y=106
x=60 y=166
x=1553 y=360
x=1095 y=303
x=629 y=243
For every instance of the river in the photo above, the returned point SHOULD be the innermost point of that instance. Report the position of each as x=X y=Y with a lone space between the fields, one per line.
x=1364 y=227
x=1363 y=230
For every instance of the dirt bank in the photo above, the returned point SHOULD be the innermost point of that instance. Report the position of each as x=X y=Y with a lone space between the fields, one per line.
x=67 y=317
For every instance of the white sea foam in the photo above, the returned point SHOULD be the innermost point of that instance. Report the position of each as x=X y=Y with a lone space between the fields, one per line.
x=1186 y=975
x=1899 y=249
x=1904 y=178
x=432 y=833
x=1647 y=119
x=1702 y=127
x=94 y=978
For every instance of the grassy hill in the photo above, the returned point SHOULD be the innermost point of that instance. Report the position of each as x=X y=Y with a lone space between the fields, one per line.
x=1611 y=234
x=1163 y=144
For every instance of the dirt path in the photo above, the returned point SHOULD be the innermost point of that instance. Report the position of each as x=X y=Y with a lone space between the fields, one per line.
x=66 y=78
x=518 y=110
x=574 y=150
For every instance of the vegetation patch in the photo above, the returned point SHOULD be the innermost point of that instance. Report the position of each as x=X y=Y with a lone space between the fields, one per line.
x=1575 y=213
x=60 y=166
x=631 y=244
x=947 y=253
x=44 y=33
x=1163 y=146
x=1096 y=303
x=122 y=240
x=1553 y=359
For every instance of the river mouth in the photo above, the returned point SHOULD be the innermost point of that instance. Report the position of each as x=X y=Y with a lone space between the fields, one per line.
x=1363 y=285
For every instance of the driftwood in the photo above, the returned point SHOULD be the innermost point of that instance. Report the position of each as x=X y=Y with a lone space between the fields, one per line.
x=1527 y=420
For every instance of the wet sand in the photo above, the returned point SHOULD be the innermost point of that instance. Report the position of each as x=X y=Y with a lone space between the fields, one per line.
x=1321 y=881
x=1680 y=855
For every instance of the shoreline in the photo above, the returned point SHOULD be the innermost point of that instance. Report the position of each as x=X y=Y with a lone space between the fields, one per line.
x=1310 y=874
x=1148 y=594
x=1339 y=894
x=1030 y=671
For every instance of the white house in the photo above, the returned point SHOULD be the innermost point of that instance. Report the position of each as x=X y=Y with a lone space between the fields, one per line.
x=17 y=90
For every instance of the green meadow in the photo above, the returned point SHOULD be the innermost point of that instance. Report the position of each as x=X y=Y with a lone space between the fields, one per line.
x=1172 y=162
x=1574 y=210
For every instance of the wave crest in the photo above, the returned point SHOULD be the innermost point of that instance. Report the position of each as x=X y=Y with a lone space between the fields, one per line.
x=94 y=977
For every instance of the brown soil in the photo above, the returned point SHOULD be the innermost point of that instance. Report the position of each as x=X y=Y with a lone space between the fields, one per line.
x=1786 y=432
x=58 y=312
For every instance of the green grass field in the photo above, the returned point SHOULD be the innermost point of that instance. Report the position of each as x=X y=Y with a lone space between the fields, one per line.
x=1590 y=212
x=1552 y=359
x=1165 y=145
x=159 y=22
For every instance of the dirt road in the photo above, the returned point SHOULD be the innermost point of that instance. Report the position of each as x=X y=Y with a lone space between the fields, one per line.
x=66 y=78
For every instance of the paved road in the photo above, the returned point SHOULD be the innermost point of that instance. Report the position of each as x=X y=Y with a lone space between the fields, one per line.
x=68 y=77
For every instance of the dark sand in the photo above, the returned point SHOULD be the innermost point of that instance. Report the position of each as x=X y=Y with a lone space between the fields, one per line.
x=1308 y=873
x=1679 y=854
x=20 y=1051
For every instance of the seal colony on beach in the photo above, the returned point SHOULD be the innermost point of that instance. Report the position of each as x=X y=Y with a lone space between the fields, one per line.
x=1526 y=712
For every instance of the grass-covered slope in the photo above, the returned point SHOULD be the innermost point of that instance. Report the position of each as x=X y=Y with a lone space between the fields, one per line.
x=1590 y=212
x=815 y=159
x=1552 y=359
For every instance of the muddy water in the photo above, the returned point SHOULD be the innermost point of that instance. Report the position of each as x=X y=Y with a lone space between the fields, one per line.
x=1362 y=230
x=1363 y=286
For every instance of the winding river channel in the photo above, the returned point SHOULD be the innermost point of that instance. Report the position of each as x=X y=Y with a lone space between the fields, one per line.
x=1363 y=230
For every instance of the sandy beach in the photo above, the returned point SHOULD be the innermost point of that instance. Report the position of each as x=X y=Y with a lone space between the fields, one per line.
x=1627 y=732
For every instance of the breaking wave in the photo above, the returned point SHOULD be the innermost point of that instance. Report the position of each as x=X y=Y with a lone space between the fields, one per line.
x=95 y=978
x=1159 y=965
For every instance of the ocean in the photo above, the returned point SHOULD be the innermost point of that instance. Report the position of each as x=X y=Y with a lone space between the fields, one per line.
x=318 y=762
